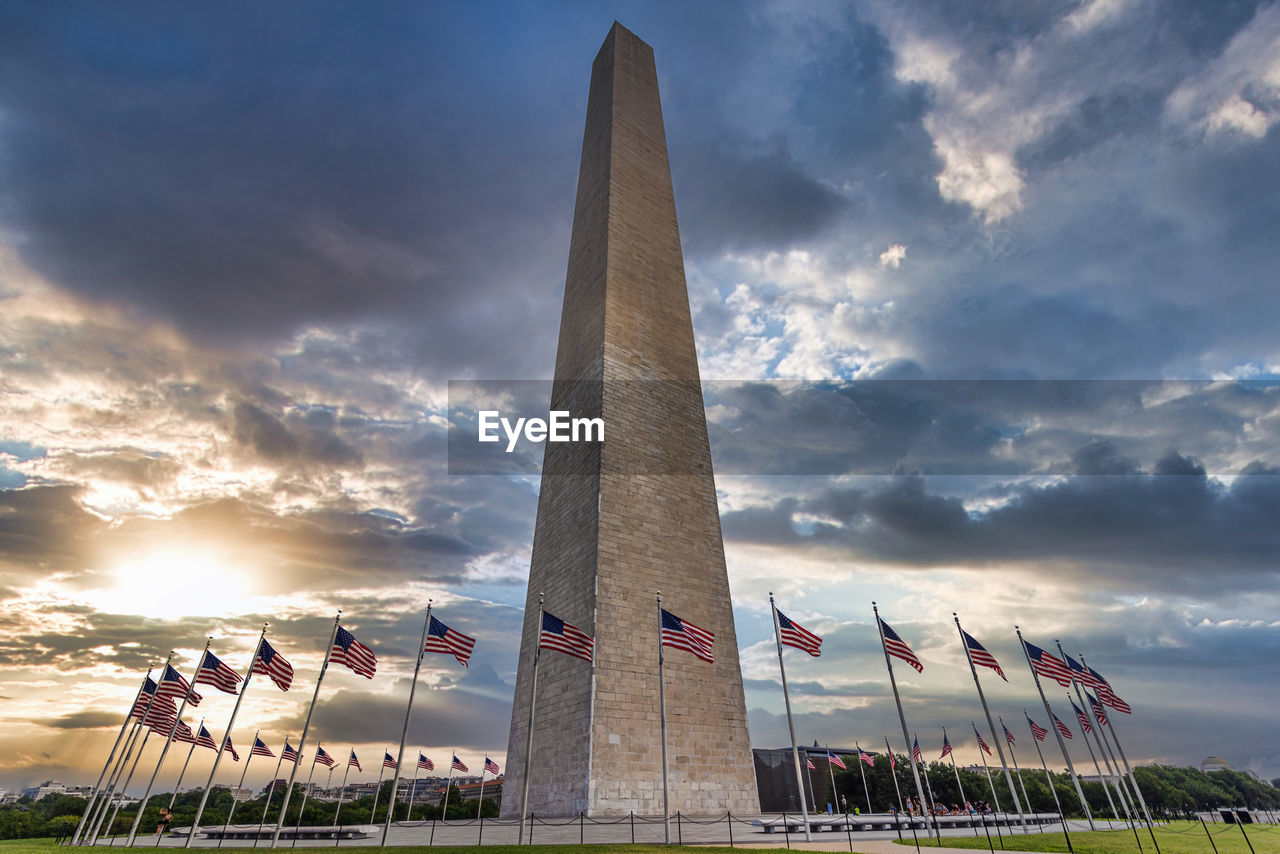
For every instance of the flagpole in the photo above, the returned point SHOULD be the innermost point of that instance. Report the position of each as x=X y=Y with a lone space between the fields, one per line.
x=341 y=792
x=1053 y=723
x=208 y=786
x=1047 y=776
x=662 y=713
x=932 y=805
x=809 y=769
x=239 y=787
x=1113 y=764
x=373 y=813
x=964 y=802
x=863 y=774
x=902 y=718
x=444 y=807
x=133 y=831
x=1017 y=772
x=404 y=732
x=528 y=740
x=831 y=769
x=127 y=780
x=195 y=736
x=306 y=791
x=1085 y=737
x=413 y=790
x=271 y=792
x=982 y=754
x=786 y=696
x=93 y=797
x=986 y=710
x=124 y=761
x=480 y=800
x=302 y=740
x=104 y=802
x=113 y=789
x=894 y=774
x=1132 y=779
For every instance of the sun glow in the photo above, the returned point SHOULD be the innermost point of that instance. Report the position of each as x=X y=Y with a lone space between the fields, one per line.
x=176 y=582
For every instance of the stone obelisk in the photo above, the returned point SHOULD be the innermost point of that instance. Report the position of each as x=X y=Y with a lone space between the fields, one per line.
x=621 y=520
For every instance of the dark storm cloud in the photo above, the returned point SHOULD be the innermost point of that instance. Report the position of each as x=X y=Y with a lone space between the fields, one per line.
x=306 y=437
x=761 y=200
x=474 y=714
x=1141 y=530
x=83 y=720
x=44 y=525
x=243 y=177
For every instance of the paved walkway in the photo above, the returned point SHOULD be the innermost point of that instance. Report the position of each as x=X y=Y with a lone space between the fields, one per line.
x=569 y=832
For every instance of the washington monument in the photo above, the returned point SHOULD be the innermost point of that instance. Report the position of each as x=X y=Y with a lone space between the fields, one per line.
x=621 y=520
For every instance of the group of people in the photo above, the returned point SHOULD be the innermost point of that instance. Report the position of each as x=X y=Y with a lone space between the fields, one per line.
x=914 y=808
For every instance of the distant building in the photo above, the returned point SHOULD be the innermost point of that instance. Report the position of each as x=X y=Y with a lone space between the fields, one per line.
x=492 y=790
x=1213 y=763
x=48 y=787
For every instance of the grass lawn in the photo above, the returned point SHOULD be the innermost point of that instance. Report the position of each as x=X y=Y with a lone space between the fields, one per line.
x=1179 y=837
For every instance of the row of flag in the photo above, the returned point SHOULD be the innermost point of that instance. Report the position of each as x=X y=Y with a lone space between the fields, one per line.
x=1092 y=689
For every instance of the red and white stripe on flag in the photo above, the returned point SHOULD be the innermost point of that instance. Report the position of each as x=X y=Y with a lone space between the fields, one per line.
x=681 y=634
x=795 y=635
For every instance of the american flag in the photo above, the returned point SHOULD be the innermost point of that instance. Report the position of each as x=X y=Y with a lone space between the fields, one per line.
x=1108 y=696
x=490 y=766
x=1081 y=675
x=679 y=634
x=230 y=748
x=352 y=654
x=796 y=635
x=893 y=762
x=981 y=743
x=425 y=764
x=1062 y=728
x=291 y=754
x=388 y=762
x=562 y=637
x=271 y=663
x=183 y=733
x=868 y=758
x=457 y=764
x=441 y=638
x=1047 y=665
x=946 y=747
x=809 y=762
x=979 y=654
x=260 y=748
x=205 y=739
x=915 y=750
x=323 y=757
x=161 y=714
x=1098 y=712
x=175 y=687
x=897 y=648
x=1038 y=731
x=1008 y=736
x=351 y=760
x=144 y=699
x=836 y=760
x=1082 y=718
x=213 y=672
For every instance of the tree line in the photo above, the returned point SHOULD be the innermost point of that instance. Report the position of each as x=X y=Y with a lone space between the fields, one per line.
x=1168 y=790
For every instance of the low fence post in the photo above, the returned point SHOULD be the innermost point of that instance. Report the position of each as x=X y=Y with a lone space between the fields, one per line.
x=729 y=817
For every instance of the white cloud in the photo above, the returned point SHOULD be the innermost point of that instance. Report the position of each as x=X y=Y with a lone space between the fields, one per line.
x=893 y=256
x=1239 y=92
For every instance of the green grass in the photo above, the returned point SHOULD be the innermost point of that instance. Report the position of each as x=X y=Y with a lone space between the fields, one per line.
x=1179 y=837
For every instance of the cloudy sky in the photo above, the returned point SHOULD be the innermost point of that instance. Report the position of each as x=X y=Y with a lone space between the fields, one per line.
x=1019 y=258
